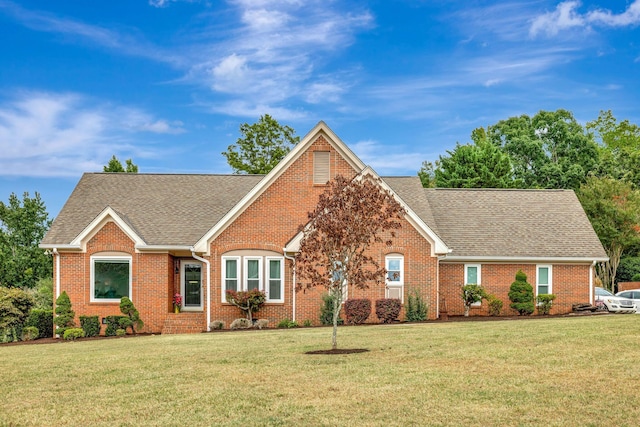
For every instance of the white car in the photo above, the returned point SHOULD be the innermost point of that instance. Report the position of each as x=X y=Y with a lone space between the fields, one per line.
x=612 y=303
x=633 y=295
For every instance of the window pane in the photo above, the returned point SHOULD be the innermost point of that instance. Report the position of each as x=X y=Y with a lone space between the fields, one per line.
x=543 y=276
x=543 y=289
x=472 y=276
x=393 y=276
x=275 y=281
x=274 y=269
x=111 y=279
x=231 y=273
x=394 y=265
x=192 y=284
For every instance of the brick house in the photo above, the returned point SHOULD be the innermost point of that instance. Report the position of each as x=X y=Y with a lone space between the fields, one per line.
x=149 y=236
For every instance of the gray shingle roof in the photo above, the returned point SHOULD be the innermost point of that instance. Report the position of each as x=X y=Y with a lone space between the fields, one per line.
x=513 y=223
x=409 y=188
x=163 y=209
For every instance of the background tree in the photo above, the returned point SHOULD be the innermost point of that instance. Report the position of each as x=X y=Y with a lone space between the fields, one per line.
x=351 y=215
x=427 y=173
x=114 y=165
x=262 y=145
x=613 y=207
x=23 y=224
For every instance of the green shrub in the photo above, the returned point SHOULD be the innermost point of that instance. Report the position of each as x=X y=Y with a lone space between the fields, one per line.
x=357 y=311
x=121 y=332
x=326 y=311
x=64 y=314
x=495 y=305
x=472 y=294
x=545 y=301
x=241 y=323
x=42 y=320
x=521 y=295
x=216 y=325
x=43 y=294
x=636 y=277
x=416 y=308
x=90 y=325
x=307 y=323
x=15 y=305
x=71 y=334
x=29 y=333
x=113 y=324
x=129 y=310
x=286 y=323
x=388 y=309
x=125 y=323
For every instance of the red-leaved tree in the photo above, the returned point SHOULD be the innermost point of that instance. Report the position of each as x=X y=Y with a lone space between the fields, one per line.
x=351 y=215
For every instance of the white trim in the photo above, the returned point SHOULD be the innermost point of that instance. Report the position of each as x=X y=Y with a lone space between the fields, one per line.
x=549 y=277
x=245 y=266
x=108 y=214
x=58 y=247
x=208 y=264
x=223 y=271
x=509 y=259
x=183 y=264
x=267 y=278
x=478 y=277
x=95 y=258
x=320 y=129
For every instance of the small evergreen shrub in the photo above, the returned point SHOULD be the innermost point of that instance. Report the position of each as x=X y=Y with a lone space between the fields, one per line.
x=121 y=332
x=30 y=333
x=262 y=323
x=521 y=295
x=125 y=323
x=388 y=309
x=113 y=324
x=128 y=309
x=545 y=301
x=242 y=323
x=286 y=323
x=416 y=308
x=357 y=311
x=90 y=325
x=216 y=325
x=64 y=314
x=326 y=311
x=42 y=319
x=495 y=305
x=71 y=334
x=306 y=323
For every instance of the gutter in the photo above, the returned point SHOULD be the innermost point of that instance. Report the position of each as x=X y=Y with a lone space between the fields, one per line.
x=208 y=264
x=293 y=287
x=510 y=259
x=56 y=254
x=591 y=272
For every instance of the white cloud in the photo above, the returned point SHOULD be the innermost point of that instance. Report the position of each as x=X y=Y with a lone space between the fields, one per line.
x=566 y=16
x=400 y=160
x=62 y=134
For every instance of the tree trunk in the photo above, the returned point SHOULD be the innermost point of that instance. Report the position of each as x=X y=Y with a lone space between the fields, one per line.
x=336 y=313
x=466 y=310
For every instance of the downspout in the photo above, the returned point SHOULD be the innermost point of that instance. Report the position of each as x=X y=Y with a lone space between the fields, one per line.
x=440 y=257
x=208 y=264
x=591 y=272
x=293 y=288
x=57 y=257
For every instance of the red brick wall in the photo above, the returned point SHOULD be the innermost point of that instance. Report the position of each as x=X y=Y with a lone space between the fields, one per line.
x=570 y=285
x=625 y=286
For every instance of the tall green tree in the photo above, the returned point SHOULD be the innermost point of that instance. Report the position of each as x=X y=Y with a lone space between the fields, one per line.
x=114 y=165
x=613 y=207
x=549 y=150
x=262 y=145
x=23 y=224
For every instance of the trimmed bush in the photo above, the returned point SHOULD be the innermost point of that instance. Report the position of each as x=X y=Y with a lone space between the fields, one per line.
x=388 y=309
x=416 y=308
x=495 y=305
x=42 y=320
x=90 y=325
x=65 y=316
x=357 y=311
x=30 y=333
x=326 y=311
x=545 y=301
x=241 y=323
x=113 y=324
x=286 y=323
x=71 y=334
x=521 y=295
x=262 y=323
x=128 y=309
x=121 y=332
x=216 y=325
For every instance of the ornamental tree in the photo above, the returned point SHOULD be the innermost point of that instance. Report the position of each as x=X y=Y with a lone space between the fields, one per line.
x=472 y=294
x=351 y=216
x=247 y=301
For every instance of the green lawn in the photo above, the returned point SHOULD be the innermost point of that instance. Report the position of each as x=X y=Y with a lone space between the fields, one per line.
x=556 y=371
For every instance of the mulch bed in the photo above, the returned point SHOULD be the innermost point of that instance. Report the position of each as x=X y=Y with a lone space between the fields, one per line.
x=339 y=351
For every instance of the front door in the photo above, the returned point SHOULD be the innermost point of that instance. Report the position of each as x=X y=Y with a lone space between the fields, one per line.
x=192 y=286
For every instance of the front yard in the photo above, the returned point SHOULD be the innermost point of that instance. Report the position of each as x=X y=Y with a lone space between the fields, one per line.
x=553 y=371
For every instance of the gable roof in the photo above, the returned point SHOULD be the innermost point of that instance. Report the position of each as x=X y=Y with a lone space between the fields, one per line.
x=501 y=224
x=161 y=209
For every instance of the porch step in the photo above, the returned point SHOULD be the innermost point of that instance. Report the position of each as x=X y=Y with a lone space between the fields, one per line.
x=184 y=323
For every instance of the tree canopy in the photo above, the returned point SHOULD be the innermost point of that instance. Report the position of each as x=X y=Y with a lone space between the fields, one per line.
x=23 y=224
x=262 y=145
x=351 y=216
x=114 y=165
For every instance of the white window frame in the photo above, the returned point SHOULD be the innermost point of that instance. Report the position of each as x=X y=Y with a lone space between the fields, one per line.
x=549 y=277
x=93 y=260
x=394 y=284
x=245 y=266
x=223 y=270
x=466 y=279
x=267 y=278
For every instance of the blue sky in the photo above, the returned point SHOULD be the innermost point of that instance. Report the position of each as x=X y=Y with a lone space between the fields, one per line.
x=168 y=82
